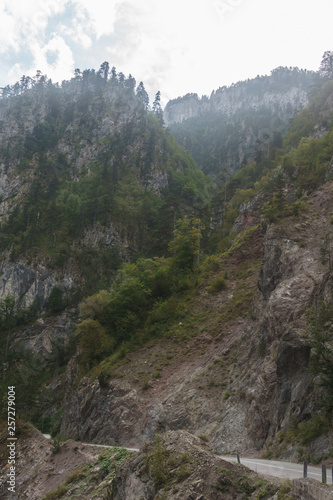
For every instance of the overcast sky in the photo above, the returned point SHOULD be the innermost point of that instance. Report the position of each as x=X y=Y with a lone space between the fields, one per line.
x=175 y=46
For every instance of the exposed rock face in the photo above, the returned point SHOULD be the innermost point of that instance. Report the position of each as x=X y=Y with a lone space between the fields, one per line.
x=249 y=213
x=46 y=335
x=39 y=469
x=306 y=489
x=198 y=479
x=270 y=272
x=49 y=134
x=184 y=108
x=239 y=388
x=35 y=279
x=19 y=280
x=227 y=101
x=107 y=415
x=239 y=123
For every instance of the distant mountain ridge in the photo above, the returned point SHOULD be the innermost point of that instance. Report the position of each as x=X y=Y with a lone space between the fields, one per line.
x=226 y=128
x=283 y=87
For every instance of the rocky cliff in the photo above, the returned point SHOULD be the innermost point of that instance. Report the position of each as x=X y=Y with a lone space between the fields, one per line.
x=228 y=100
x=241 y=122
x=243 y=378
x=83 y=169
x=218 y=348
x=284 y=91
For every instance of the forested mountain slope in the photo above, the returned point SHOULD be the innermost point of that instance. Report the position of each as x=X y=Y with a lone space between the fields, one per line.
x=89 y=177
x=140 y=298
x=239 y=123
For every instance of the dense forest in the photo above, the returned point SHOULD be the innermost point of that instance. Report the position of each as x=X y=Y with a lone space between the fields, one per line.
x=243 y=122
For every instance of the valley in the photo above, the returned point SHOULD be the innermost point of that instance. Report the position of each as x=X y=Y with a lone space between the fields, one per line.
x=166 y=284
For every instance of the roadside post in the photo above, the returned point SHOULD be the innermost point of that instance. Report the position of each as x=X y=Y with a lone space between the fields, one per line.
x=305 y=470
x=323 y=473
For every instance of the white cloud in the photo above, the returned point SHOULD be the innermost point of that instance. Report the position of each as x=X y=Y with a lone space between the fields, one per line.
x=77 y=34
x=9 y=37
x=22 y=20
x=101 y=14
x=63 y=66
x=15 y=72
x=176 y=46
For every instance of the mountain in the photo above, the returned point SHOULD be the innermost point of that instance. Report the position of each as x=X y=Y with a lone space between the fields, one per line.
x=140 y=299
x=87 y=179
x=238 y=123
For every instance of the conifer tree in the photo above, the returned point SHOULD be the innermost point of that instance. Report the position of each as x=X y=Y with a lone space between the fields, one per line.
x=185 y=244
x=326 y=65
x=157 y=108
x=142 y=94
x=104 y=70
x=130 y=83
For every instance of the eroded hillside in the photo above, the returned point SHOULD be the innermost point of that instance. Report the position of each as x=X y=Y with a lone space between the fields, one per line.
x=219 y=321
x=236 y=368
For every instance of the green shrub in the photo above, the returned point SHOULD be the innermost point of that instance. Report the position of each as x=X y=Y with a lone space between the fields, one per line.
x=224 y=481
x=55 y=302
x=146 y=384
x=183 y=472
x=103 y=377
x=58 y=493
x=204 y=438
x=217 y=285
x=266 y=491
x=158 y=462
x=75 y=476
x=94 y=343
x=56 y=445
x=311 y=429
x=285 y=489
x=245 y=484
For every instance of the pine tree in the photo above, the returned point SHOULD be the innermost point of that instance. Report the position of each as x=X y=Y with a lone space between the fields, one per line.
x=157 y=108
x=130 y=83
x=104 y=70
x=142 y=94
x=185 y=244
x=326 y=65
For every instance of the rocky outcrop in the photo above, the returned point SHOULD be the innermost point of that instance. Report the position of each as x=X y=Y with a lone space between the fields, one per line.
x=21 y=281
x=249 y=214
x=305 y=489
x=240 y=123
x=190 y=470
x=242 y=96
x=47 y=337
x=239 y=388
x=113 y=414
x=270 y=272
x=43 y=466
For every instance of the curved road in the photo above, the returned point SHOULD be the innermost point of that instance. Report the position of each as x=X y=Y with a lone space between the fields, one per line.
x=282 y=470
x=286 y=470
x=110 y=446
x=47 y=436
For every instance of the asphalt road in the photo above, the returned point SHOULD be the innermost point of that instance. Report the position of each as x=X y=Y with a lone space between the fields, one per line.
x=109 y=446
x=100 y=445
x=282 y=470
